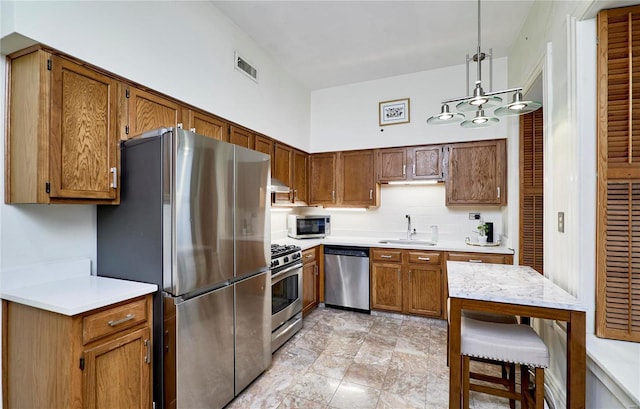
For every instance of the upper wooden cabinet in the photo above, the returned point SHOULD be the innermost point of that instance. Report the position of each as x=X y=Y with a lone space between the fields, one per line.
x=61 y=142
x=207 y=125
x=241 y=137
x=477 y=173
x=357 y=179
x=410 y=163
x=148 y=111
x=264 y=144
x=300 y=177
x=290 y=167
x=322 y=179
x=344 y=179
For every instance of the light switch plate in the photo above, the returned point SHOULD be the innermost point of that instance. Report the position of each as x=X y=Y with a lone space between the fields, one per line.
x=561 y=222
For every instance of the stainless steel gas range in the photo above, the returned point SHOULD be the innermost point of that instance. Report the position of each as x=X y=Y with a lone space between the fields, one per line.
x=286 y=293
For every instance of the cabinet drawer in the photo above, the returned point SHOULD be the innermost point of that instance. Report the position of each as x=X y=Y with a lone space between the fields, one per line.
x=309 y=255
x=113 y=320
x=479 y=258
x=422 y=257
x=386 y=255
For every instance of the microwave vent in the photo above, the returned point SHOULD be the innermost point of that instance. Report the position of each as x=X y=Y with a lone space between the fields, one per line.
x=243 y=66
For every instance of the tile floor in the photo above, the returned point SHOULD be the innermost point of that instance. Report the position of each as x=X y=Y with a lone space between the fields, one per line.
x=349 y=360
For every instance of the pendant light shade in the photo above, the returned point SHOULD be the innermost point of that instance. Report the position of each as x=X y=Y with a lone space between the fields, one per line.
x=445 y=117
x=518 y=106
x=480 y=120
x=481 y=100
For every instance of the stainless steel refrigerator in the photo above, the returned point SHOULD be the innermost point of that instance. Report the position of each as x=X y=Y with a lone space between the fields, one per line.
x=194 y=219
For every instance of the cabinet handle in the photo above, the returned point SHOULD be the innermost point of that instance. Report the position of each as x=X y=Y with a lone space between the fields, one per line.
x=404 y=170
x=333 y=195
x=498 y=192
x=147 y=358
x=414 y=169
x=295 y=194
x=385 y=256
x=193 y=130
x=114 y=323
x=309 y=255
x=370 y=194
x=424 y=258
x=399 y=277
x=316 y=270
x=475 y=260
x=114 y=178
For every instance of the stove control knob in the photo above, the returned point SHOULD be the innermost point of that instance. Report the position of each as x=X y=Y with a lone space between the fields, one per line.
x=286 y=259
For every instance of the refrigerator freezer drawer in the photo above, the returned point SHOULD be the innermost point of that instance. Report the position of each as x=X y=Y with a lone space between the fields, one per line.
x=204 y=355
x=253 y=328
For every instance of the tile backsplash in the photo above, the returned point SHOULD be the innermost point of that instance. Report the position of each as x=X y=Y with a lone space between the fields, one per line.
x=424 y=203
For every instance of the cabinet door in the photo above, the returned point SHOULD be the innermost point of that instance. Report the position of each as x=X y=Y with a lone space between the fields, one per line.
x=264 y=145
x=283 y=170
x=392 y=164
x=322 y=179
x=309 y=286
x=481 y=258
x=423 y=291
x=83 y=142
x=148 y=111
x=117 y=373
x=386 y=286
x=477 y=173
x=241 y=137
x=208 y=125
x=358 y=180
x=299 y=177
x=426 y=162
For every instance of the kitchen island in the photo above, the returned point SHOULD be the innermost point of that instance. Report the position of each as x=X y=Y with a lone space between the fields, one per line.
x=521 y=291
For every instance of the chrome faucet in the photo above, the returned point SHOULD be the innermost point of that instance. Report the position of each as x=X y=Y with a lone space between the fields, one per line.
x=410 y=233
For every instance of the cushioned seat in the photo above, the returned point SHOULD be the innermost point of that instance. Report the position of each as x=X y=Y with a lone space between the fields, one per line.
x=511 y=343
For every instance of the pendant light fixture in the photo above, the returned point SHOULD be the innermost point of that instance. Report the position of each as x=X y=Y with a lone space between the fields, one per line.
x=480 y=100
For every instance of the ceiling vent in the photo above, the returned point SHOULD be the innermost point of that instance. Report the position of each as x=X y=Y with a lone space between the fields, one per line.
x=243 y=66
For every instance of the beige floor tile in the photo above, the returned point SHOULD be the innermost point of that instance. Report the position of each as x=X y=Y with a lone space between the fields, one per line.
x=354 y=396
x=314 y=387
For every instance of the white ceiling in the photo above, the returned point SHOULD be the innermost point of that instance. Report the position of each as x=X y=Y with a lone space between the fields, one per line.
x=330 y=43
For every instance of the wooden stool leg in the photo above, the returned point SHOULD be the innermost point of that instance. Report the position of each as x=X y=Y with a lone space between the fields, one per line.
x=512 y=384
x=465 y=382
x=539 y=388
x=524 y=386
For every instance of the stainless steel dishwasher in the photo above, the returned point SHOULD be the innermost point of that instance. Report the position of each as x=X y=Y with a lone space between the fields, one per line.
x=346 y=277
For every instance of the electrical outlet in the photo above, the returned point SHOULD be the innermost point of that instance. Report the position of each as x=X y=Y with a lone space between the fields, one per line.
x=561 y=222
x=474 y=216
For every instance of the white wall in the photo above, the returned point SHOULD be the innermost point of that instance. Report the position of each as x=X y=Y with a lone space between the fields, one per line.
x=346 y=117
x=183 y=49
x=424 y=203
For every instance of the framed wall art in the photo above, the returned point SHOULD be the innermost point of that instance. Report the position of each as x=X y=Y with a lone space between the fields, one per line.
x=394 y=112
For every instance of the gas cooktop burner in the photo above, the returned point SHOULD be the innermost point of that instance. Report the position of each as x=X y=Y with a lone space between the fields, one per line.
x=283 y=255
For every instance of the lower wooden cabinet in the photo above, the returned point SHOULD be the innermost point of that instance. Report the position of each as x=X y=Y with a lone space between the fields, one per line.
x=481 y=258
x=98 y=359
x=310 y=280
x=407 y=281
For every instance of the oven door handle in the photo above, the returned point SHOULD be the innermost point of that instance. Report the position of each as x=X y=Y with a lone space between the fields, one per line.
x=282 y=274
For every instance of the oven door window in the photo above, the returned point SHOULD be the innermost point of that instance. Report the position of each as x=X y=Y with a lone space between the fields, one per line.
x=284 y=293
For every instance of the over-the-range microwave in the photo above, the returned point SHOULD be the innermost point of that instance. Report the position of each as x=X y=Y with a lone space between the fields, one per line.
x=308 y=226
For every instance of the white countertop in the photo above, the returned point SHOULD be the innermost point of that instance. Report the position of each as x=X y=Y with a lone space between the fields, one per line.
x=509 y=284
x=77 y=295
x=441 y=245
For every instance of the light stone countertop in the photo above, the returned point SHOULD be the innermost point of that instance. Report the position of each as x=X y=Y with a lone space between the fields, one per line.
x=74 y=296
x=441 y=245
x=509 y=284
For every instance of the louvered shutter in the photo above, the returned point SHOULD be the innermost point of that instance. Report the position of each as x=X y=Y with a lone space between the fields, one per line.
x=531 y=190
x=618 y=208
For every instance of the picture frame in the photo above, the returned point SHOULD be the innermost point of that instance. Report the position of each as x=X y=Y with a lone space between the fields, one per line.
x=393 y=112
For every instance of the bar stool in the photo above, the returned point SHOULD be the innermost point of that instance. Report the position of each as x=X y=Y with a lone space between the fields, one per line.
x=512 y=343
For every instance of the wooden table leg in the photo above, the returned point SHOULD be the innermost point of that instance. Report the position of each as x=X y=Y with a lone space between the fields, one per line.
x=455 y=362
x=576 y=360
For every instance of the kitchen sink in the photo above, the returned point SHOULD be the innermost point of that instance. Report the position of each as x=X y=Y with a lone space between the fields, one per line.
x=409 y=242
